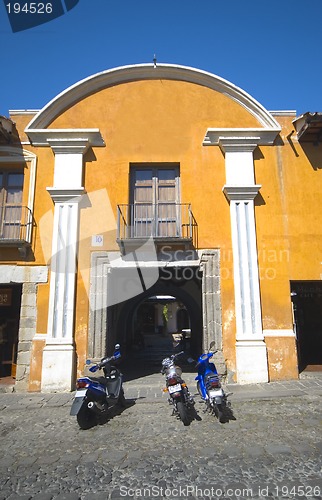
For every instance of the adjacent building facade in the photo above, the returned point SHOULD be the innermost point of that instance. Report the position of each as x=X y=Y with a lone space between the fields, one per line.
x=148 y=198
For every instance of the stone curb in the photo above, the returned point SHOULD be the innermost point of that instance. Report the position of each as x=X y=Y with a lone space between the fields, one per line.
x=149 y=389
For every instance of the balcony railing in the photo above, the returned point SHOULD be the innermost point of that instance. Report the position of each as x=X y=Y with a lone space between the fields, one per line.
x=165 y=221
x=16 y=223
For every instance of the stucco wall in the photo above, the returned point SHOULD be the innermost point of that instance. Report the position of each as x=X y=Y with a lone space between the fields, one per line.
x=165 y=121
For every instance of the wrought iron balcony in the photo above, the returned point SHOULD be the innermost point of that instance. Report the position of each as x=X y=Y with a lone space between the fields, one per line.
x=162 y=221
x=16 y=223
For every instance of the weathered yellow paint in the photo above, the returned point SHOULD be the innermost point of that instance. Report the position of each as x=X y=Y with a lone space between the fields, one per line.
x=36 y=365
x=166 y=121
x=282 y=359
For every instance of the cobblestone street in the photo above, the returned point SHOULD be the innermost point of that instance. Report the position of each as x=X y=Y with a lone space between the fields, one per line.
x=272 y=449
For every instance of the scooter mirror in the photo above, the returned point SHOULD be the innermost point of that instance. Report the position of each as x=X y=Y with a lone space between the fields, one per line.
x=88 y=362
x=117 y=347
x=212 y=344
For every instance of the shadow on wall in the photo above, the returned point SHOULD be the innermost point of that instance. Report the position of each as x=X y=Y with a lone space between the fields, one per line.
x=313 y=153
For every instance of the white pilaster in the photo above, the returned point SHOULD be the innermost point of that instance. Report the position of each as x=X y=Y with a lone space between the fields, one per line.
x=69 y=147
x=240 y=190
x=58 y=354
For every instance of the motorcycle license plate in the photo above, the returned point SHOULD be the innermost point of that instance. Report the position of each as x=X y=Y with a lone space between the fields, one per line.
x=80 y=393
x=174 y=388
x=78 y=401
x=215 y=393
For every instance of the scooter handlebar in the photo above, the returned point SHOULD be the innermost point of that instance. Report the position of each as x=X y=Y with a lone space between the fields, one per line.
x=104 y=362
x=174 y=356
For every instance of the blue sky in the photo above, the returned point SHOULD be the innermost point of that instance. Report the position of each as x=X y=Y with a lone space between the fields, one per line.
x=271 y=49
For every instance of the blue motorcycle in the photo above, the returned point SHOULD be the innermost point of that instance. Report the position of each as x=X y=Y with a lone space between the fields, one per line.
x=209 y=387
x=96 y=395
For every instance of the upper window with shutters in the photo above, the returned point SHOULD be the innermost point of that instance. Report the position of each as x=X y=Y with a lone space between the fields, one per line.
x=17 y=186
x=155 y=208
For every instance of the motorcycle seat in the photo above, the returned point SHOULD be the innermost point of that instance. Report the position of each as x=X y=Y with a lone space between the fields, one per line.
x=100 y=380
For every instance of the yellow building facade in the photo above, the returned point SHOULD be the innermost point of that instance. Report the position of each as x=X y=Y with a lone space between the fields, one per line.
x=165 y=181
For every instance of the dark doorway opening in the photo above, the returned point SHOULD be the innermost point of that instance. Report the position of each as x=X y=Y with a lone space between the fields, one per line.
x=307 y=308
x=10 y=302
x=165 y=319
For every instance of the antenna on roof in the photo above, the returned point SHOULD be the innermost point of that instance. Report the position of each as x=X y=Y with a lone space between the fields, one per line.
x=154 y=61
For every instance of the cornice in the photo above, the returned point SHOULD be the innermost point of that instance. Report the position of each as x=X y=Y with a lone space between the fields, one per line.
x=16 y=153
x=66 y=140
x=233 y=137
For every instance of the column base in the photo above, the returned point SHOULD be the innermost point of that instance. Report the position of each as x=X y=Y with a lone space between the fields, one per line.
x=251 y=362
x=58 y=368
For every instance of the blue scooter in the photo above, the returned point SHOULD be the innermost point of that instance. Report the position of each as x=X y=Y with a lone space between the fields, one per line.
x=209 y=387
x=95 y=395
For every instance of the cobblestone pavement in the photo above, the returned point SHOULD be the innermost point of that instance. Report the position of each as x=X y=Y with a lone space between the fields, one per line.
x=271 y=450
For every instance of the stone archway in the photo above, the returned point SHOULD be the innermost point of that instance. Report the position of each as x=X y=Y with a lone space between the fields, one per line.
x=193 y=305
x=108 y=322
x=198 y=288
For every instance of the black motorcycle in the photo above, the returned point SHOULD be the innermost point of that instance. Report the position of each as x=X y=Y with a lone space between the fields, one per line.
x=179 y=395
x=96 y=395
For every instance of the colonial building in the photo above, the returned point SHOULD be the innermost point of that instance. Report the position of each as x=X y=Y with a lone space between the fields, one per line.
x=156 y=199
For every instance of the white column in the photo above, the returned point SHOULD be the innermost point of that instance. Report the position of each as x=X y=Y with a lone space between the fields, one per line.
x=240 y=189
x=59 y=353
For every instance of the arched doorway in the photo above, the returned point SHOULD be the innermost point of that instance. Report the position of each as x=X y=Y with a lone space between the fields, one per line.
x=156 y=330
x=194 y=287
x=147 y=326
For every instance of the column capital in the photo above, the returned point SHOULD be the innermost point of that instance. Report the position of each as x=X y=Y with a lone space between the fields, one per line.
x=238 y=144
x=239 y=193
x=69 y=146
x=66 y=195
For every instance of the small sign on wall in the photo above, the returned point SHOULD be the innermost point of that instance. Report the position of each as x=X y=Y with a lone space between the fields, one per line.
x=97 y=240
x=5 y=297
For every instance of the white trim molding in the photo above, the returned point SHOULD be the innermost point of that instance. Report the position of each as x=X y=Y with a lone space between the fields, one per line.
x=279 y=333
x=240 y=137
x=126 y=74
x=66 y=140
x=251 y=362
x=15 y=112
x=241 y=192
x=59 y=195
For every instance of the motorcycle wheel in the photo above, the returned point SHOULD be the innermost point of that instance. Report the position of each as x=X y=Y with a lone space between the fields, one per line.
x=183 y=412
x=220 y=413
x=86 y=418
x=121 y=400
x=199 y=389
